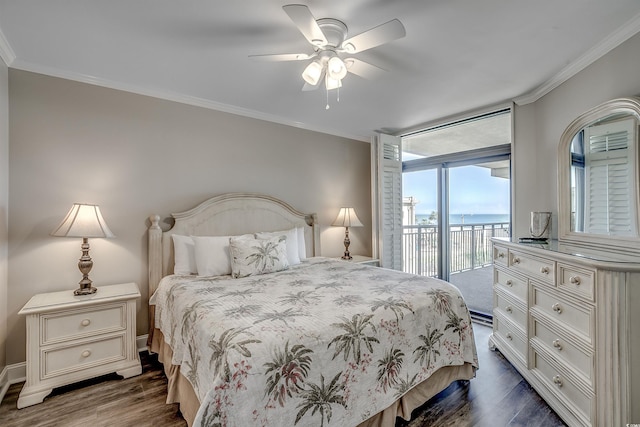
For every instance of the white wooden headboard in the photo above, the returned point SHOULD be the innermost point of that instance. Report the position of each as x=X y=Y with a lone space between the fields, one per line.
x=227 y=215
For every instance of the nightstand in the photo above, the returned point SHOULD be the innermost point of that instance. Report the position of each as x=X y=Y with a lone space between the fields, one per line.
x=73 y=338
x=359 y=259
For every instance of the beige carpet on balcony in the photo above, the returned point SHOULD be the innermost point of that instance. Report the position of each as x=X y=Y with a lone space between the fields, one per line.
x=476 y=288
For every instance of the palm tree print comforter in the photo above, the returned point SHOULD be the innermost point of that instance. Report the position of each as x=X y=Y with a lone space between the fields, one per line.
x=324 y=343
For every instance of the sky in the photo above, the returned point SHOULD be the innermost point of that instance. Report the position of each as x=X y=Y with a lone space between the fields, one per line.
x=472 y=191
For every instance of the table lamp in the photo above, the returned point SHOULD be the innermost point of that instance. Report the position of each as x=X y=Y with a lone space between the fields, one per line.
x=347 y=218
x=84 y=221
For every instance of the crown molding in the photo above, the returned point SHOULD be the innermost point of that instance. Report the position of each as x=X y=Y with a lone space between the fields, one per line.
x=177 y=97
x=615 y=39
x=6 y=53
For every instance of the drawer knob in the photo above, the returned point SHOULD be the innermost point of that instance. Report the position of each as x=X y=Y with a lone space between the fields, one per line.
x=544 y=270
x=85 y=322
x=516 y=260
x=508 y=335
x=557 y=380
x=500 y=254
x=556 y=344
x=509 y=283
x=574 y=280
x=86 y=353
x=509 y=309
x=557 y=308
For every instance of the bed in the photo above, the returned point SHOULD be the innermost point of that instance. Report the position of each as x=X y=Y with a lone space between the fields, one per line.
x=317 y=342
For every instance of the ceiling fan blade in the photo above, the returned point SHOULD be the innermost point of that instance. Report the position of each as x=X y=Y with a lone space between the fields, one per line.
x=307 y=87
x=376 y=36
x=306 y=23
x=363 y=69
x=282 y=57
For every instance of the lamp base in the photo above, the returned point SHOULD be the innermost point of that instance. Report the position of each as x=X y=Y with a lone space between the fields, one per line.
x=85 y=291
x=347 y=242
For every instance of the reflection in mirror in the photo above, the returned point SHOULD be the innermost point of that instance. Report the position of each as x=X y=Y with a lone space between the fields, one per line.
x=598 y=179
x=602 y=175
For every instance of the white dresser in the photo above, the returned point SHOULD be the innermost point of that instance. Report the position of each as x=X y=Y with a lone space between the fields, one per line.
x=72 y=338
x=571 y=325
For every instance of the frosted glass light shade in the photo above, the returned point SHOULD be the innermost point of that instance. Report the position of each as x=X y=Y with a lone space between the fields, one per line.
x=332 y=83
x=347 y=218
x=336 y=69
x=312 y=73
x=83 y=221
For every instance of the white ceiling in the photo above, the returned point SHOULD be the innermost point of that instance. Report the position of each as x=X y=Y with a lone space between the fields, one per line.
x=457 y=56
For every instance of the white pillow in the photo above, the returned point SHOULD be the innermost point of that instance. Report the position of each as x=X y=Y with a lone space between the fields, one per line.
x=302 y=247
x=184 y=255
x=257 y=256
x=291 y=242
x=212 y=255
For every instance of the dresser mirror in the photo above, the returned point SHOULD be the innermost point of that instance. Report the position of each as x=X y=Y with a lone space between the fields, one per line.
x=598 y=201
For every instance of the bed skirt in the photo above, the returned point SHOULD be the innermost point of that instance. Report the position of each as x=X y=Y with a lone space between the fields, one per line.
x=179 y=390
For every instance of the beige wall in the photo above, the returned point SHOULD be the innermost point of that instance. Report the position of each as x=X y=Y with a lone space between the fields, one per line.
x=135 y=156
x=4 y=205
x=538 y=127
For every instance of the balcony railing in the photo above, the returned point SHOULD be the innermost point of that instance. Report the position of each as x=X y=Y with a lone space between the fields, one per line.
x=470 y=246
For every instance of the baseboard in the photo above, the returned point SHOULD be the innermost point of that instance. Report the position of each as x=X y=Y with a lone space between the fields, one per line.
x=4 y=383
x=17 y=372
x=141 y=343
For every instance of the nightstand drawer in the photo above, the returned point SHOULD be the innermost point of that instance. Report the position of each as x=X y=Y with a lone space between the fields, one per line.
x=60 y=361
x=73 y=324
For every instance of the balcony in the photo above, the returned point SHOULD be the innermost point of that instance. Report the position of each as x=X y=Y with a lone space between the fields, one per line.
x=470 y=257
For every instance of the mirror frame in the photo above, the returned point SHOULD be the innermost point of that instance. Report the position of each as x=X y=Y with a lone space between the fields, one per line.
x=601 y=242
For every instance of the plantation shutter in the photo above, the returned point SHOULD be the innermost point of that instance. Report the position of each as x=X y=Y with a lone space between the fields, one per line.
x=610 y=182
x=387 y=200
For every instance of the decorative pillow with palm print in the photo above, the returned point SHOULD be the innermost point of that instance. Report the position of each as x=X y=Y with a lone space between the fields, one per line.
x=251 y=257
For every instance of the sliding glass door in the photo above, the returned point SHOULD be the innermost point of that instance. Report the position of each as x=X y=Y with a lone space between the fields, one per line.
x=456 y=196
x=479 y=206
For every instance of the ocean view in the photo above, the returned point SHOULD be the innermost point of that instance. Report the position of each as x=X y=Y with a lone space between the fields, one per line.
x=468 y=218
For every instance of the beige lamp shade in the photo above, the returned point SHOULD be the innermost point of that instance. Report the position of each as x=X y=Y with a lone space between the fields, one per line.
x=83 y=221
x=347 y=218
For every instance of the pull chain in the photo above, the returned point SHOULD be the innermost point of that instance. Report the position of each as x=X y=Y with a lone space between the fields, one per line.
x=327 y=106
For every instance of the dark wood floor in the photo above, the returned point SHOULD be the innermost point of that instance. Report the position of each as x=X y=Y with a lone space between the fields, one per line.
x=498 y=396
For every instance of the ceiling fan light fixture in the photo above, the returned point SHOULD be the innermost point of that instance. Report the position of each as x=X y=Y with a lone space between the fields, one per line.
x=312 y=73
x=332 y=83
x=336 y=68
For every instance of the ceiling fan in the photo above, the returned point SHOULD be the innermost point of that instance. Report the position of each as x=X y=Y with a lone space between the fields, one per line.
x=331 y=61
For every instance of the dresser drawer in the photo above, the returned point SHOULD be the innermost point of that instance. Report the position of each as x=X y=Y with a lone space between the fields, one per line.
x=569 y=391
x=541 y=269
x=510 y=310
x=61 y=361
x=576 y=280
x=575 y=319
x=73 y=324
x=510 y=283
x=509 y=334
x=575 y=358
x=500 y=255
